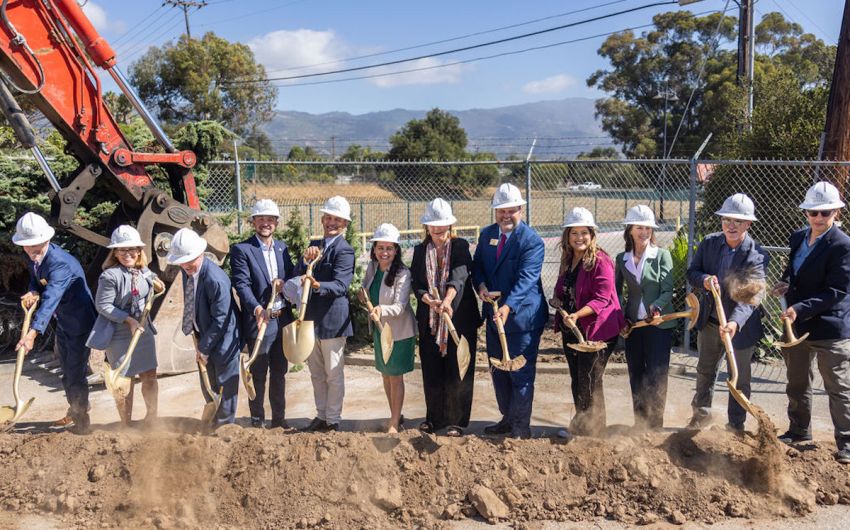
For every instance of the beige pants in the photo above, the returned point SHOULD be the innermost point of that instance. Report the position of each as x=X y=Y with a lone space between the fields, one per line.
x=326 y=364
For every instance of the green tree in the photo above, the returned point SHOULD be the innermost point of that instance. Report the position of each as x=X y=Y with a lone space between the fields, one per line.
x=438 y=136
x=357 y=152
x=670 y=56
x=295 y=235
x=608 y=153
x=193 y=80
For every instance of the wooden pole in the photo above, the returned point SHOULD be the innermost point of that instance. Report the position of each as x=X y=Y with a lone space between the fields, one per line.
x=837 y=130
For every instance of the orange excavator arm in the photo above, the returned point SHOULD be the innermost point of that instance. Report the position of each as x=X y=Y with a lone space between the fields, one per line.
x=50 y=51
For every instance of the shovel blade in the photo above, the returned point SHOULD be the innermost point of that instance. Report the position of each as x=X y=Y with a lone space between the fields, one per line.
x=517 y=363
x=463 y=357
x=209 y=412
x=298 y=341
x=386 y=342
x=247 y=378
x=6 y=414
x=109 y=377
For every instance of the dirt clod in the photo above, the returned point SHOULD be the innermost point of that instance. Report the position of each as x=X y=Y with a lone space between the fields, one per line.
x=487 y=503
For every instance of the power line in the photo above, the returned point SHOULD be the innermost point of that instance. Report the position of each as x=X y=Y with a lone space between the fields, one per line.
x=830 y=39
x=443 y=41
x=247 y=15
x=137 y=26
x=185 y=5
x=462 y=49
x=140 y=48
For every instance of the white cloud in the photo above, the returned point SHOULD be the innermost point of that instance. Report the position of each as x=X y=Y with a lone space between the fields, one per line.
x=430 y=73
x=556 y=83
x=283 y=49
x=101 y=21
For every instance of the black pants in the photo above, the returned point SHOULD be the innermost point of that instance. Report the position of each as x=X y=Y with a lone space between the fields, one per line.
x=648 y=358
x=448 y=400
x=270 y=362
x=74 y=356
x=586 y=371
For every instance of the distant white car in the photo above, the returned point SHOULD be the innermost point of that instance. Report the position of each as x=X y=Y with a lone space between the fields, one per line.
x=586 y=186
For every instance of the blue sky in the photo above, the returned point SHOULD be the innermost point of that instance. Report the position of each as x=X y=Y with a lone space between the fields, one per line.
x=285 y=34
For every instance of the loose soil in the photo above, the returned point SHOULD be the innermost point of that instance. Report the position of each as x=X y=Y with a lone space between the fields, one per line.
x=282 y=479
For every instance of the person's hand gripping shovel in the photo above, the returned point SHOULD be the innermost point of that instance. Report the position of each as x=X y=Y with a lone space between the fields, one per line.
x=10 y=415
x=386 y=332
x=463 y=353
x=505 y=363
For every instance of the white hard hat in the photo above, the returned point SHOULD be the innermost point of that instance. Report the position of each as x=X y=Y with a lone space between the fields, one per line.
x=738 y=206
x=125 y=236
x=265 y=207
x=507 y=196
x=386 y=232
x=186 y=245
x=438 y=213
x=338 y=207
x=579 y=216
x=822 y=196
x=640 y=215
x=32 y=229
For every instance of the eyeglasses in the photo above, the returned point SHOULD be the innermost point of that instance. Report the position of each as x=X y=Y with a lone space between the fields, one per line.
x=815 y=213
x=128 y=251
x=730 y=221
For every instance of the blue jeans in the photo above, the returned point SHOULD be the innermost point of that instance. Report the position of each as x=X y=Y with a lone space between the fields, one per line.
x=515 y=390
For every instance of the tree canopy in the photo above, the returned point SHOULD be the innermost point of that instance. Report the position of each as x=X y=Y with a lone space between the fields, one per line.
x=192 y=80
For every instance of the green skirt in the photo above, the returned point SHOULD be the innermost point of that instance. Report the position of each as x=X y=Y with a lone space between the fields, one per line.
x=401 y=360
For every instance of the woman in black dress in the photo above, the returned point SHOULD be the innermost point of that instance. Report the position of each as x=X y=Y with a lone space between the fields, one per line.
x=443 y=261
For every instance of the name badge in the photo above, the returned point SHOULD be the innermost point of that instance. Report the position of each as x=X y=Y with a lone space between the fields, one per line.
x=494 y=242
x=44 y=282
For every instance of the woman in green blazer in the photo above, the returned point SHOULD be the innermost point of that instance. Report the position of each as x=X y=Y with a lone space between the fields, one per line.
x=644 y=280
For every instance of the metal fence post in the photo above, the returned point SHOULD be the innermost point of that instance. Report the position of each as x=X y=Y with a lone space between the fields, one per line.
x=361 y=218
x=238 y=176
x=692 y=224
x=528 y=182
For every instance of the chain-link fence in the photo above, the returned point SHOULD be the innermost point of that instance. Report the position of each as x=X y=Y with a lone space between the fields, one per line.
x=682 y=193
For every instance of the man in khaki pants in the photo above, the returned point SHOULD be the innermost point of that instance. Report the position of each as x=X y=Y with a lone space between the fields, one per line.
x=329 y=310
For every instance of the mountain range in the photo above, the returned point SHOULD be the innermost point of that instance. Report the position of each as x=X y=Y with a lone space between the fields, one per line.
x=566 y=125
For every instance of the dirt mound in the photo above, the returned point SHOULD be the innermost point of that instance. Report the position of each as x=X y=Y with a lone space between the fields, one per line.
x=272 y=479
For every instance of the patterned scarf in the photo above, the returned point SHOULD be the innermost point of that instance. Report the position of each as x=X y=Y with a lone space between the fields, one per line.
x=437 y=278
x=137 y=302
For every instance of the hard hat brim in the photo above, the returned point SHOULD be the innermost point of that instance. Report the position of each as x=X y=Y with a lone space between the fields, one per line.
x=816 y=207
x=735 y=215
x=650 y=224
x=127 y=244
x=269 y=214
x=335 y=213
x=439 y=222
x=572 y=225
x=186 y=258
x=47 y=236
x=384 y=239
x=510 y=204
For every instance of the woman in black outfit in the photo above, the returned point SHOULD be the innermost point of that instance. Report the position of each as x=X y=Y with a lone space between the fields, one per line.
x=443 y=261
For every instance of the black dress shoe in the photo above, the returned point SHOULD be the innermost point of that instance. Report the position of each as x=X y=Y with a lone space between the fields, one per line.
x=316 y=425
x=503 y=427
x=329 y=427
x=523 y=434
x=792 y=438
x=257 y=423
x=279 y=423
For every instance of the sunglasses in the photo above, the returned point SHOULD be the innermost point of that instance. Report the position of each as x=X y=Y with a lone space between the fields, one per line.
x=128 y=251
x=729 y=221
x=823 y=213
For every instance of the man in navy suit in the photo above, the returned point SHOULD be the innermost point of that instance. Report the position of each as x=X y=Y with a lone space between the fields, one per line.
x=329 y=309
x=254 y=264
x=58 y=279
x=718 y=257
x=210 y=315
x=816 y=285
x=509 y=259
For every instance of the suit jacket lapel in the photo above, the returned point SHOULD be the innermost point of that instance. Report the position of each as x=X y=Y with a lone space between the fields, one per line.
x=509 y=244
x=278 y=256
x=199 y=290
x=257 y=249
x=817 y=251
x=741 y=253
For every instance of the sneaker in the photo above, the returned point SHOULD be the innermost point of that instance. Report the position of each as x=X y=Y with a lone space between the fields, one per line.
x=697 y=423
x=317 y=425
x=257 y=423
x=843 y=456
x=792 y=438
x=564 y=434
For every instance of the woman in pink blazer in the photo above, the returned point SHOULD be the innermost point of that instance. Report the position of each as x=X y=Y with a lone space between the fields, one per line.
x=585 y=290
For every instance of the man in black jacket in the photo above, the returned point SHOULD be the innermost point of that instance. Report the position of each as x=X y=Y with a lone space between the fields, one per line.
x=816 y=284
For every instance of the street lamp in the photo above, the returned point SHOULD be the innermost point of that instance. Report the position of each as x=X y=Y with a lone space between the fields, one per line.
x=667 y=95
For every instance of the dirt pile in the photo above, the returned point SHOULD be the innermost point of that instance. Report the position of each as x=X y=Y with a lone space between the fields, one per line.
x=269 y=479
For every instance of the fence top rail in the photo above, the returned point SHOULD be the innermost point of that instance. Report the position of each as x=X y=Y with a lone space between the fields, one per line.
x=778 y=163
x=594 y=161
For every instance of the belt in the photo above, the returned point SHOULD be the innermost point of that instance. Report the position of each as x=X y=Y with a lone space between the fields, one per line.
x=714 y=321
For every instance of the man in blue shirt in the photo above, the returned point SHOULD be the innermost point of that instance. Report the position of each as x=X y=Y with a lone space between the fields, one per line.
x=816 y=284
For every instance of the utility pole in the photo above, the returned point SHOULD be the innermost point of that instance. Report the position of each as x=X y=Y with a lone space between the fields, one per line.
x=746 y=53
x=836 y=145
x=667 y=95
x=333 y=147
x=185 y=5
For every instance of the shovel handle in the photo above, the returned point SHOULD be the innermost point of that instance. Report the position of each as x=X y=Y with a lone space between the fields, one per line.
x=370 y=307
x=261 y=329
x=446 y=318
x=305 y=291
x=152 y=294
x=727 y=341
x=572 y=326
x=501 y=329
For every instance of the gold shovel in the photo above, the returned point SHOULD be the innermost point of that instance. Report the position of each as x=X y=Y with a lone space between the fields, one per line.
x=386 y=332
x=10 y=415
x=505 y=363
x=582 y=345
x=245 y=361
x=691 y=314
x=299 y=337
x=212 y=399
x=463 y=355
x=117 y=383
x=731 y=364
x=793 y=340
